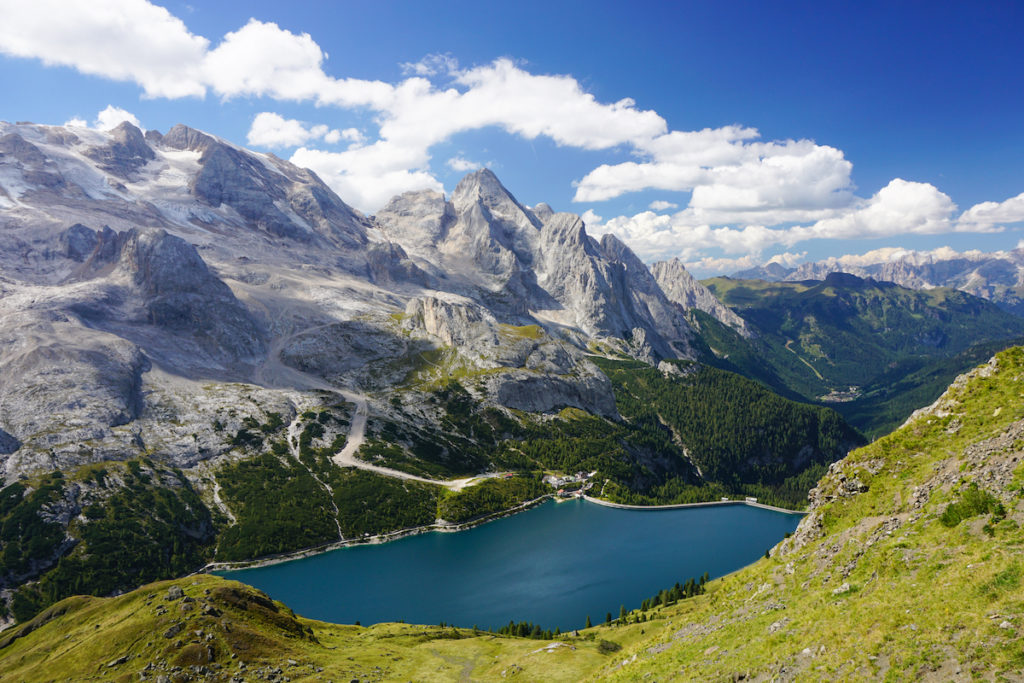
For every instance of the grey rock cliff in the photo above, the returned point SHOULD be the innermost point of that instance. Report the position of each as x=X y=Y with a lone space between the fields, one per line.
x=152 y=286
x=684 y=289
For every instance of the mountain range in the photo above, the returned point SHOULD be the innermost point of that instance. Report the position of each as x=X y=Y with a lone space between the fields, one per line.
x=996 y=276
x=207 y=354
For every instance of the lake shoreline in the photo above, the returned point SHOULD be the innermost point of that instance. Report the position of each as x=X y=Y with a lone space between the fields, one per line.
x=680 y=506
x=387 y=537
x=376 y=539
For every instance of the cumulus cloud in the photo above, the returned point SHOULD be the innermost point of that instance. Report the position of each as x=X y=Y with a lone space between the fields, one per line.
x=731 y=175
x=273 y=130
x=112 y=117
x=990 y=214
x=662 y=205
x=366 y=177
x=901 y=207
x=124 y=40
x=108 y=119
x=462 y=165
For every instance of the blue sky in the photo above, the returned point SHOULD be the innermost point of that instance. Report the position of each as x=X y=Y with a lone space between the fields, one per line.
x=725 y=133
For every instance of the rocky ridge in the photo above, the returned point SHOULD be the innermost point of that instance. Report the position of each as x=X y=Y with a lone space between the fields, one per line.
x=998 y=276
x=130 y=258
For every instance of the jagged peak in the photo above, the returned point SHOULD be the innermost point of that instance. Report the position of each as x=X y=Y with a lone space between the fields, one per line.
x=483 y=187
x=543 y=212
x=617 y=250
x=185 y=138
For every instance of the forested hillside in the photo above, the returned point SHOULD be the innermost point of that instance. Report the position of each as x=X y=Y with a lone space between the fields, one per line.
x=874 y=351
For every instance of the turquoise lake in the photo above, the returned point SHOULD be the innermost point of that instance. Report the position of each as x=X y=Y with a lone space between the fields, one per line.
x=552 y=565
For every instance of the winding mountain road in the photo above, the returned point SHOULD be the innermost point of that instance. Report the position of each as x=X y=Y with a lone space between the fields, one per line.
x=273 y=373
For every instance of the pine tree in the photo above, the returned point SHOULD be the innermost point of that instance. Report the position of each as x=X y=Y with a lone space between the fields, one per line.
x=588 y=622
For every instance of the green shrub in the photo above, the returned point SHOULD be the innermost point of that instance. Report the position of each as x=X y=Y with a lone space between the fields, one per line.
x=973 y=502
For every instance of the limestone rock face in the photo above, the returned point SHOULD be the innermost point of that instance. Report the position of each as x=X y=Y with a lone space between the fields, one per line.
x=650 y=308
x=590 y=391
x=27 y=161
x=349 y=353
x=417 y=220
x=155 y=285
x=63 y=382
x=681 y=287
x=78 y=242
x=274 y=196
x=155 y=279
x=462 y=324
x=125 y=153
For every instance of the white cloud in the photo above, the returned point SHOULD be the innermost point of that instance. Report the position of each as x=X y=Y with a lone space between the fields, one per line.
x=432 y=65
x=731 y=177
x=76 y=123
x=989 y=214
x=366 y=177
x=900 y=208
x=124 y=40
x=462 y=165
x=273 y=130
x=662 y=205
x=112 y=117
x=592 y=222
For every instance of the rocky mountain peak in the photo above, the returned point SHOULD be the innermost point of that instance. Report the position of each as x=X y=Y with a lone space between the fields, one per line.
x=543 y=212
x=417 y=219
x=566 y=230
x=484 y=189
x=125 y=152
x=184 y=138
x=681 y=287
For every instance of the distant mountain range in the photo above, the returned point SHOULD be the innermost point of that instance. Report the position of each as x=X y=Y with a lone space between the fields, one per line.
x=997 y=276
x=872 y=349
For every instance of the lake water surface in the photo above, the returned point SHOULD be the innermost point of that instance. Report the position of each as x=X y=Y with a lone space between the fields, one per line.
x=552 y=565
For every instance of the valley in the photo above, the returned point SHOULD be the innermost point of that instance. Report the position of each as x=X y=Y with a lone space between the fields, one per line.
x=934 y=509
x=210 y=360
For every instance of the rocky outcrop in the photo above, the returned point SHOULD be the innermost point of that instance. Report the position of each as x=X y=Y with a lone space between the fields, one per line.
x=273 y=196
x=681 y=287
x=647 y=306
x=124 y=154
x=77 y=242
x=152 y=278
x=461 y=324
x=587 y=390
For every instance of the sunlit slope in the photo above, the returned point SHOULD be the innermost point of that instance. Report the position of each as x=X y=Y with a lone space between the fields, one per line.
x=903 y=570
x=908 y=567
